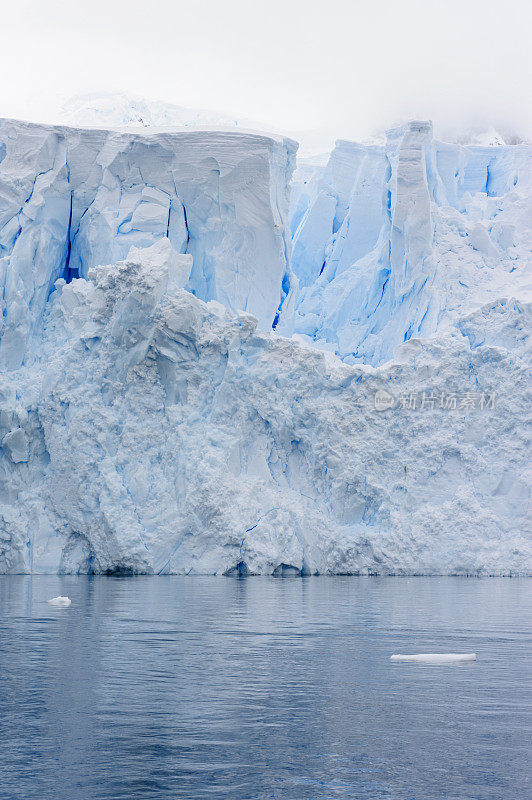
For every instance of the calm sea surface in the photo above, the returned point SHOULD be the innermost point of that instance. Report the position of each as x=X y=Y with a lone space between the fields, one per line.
x=258 y=688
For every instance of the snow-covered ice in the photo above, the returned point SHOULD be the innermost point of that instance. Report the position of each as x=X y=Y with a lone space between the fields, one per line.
x=165 y=434
x=152 y=421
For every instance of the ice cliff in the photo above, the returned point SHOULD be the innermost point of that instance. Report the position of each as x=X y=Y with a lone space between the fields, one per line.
x=72 y=199
x=401 y=240
x=149 y=423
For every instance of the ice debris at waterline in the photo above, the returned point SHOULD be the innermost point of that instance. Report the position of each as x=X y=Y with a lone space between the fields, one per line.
x=60 y=601
x=148 y=425
x=436 y=658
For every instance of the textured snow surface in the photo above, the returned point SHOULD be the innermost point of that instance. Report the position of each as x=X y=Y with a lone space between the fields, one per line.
x=145 y=428
x=163 y=434
x=402 y=240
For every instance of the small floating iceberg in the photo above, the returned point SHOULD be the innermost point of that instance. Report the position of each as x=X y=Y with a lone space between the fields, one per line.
x=60 y=601
x=436 y=658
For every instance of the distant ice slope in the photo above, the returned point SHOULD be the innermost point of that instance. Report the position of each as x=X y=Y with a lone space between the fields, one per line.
x=400 y=240
x=71 y=199
x=159 y=434
x=122 y=110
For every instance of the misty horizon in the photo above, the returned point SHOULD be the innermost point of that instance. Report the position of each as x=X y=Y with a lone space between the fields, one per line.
x=290 y=67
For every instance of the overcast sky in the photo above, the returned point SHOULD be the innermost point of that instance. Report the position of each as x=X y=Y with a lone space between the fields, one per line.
x=350 y=67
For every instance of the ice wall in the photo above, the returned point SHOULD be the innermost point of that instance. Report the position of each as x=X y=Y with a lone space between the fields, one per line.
x=72 y=199
x=399 y=240
x=162 y=434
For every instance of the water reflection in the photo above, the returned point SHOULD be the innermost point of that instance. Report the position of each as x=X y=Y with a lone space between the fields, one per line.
x=262 y=688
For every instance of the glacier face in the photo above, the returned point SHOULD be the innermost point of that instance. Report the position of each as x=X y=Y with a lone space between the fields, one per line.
x=163 y=434
x=150 y=424
x=401 y=240
x=73 y=199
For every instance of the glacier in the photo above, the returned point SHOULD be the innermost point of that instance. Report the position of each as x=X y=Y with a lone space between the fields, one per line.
x=158 y=414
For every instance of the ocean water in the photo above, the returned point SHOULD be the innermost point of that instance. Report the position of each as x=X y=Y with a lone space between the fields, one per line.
x=256 y=688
